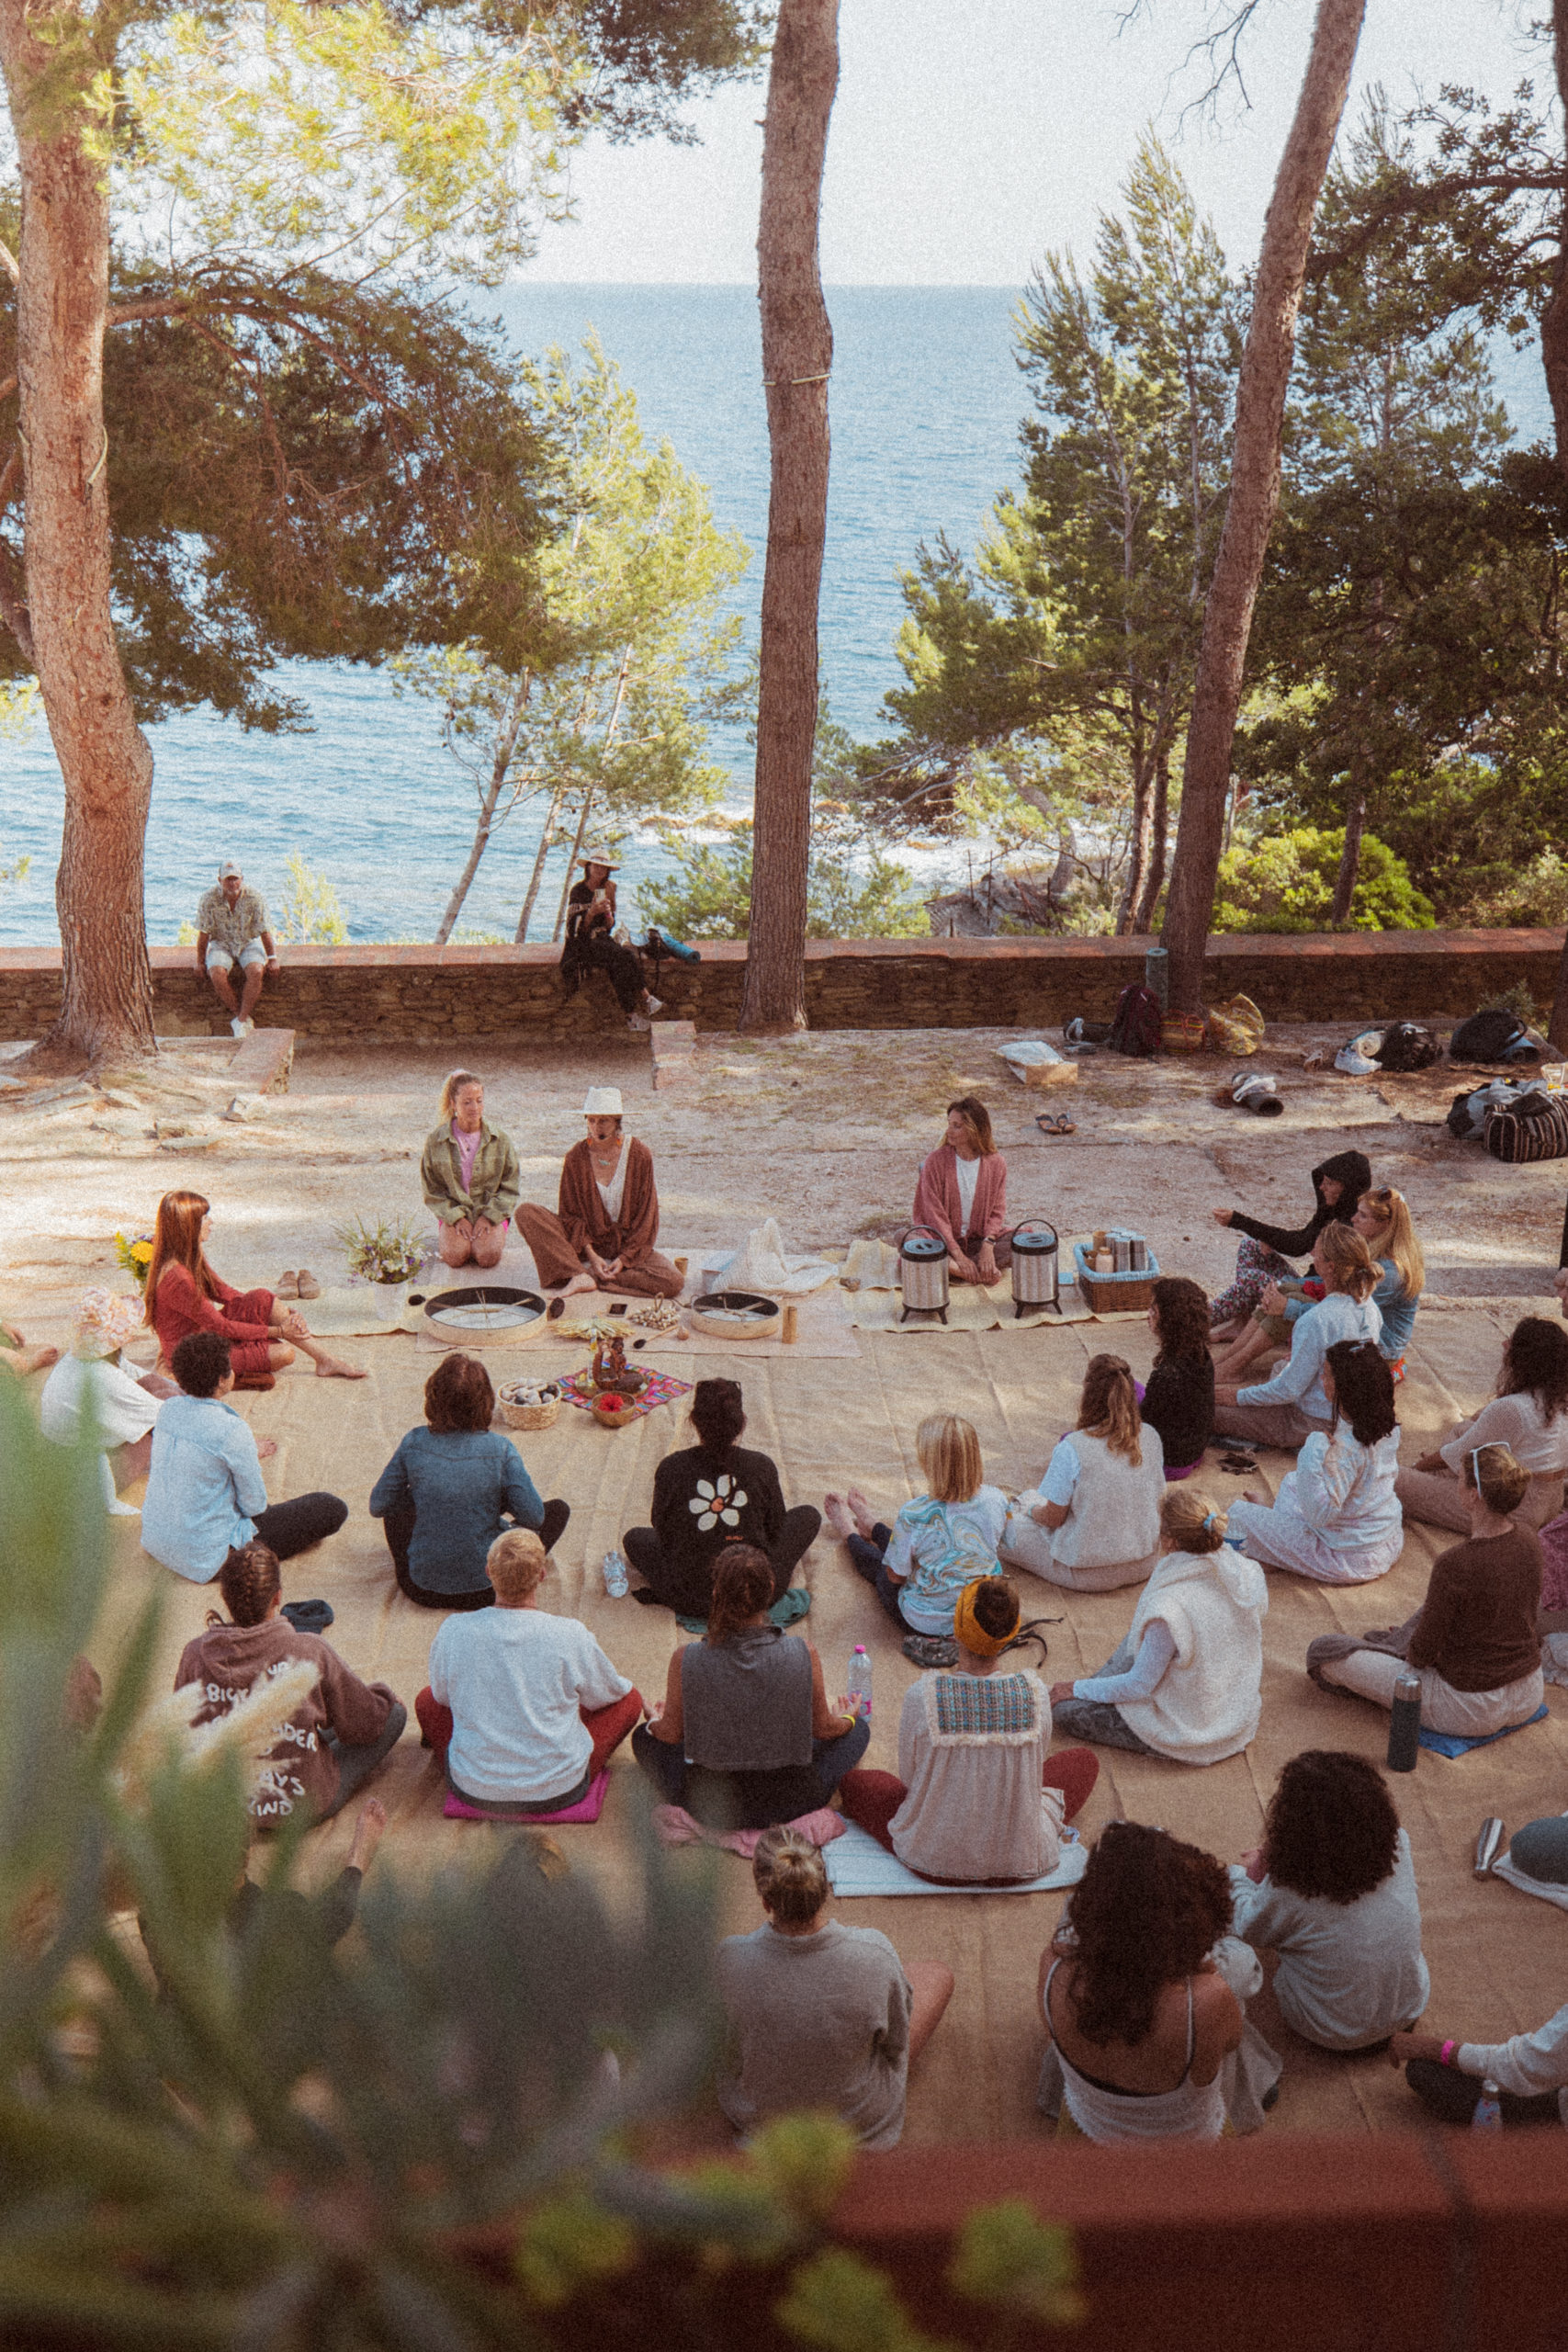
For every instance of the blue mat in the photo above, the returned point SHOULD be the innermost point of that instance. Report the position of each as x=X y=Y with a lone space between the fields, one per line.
x=1448 y=1742
x=787 y=1609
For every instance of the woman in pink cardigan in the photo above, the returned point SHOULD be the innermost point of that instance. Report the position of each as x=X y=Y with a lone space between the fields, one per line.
x=963 y=1194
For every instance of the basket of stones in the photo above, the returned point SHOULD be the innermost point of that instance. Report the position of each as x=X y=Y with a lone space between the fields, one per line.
x=735 y=1315
x=613 y=1411
x=529 y=1404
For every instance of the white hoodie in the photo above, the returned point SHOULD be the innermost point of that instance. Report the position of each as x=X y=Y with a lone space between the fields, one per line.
x=1207 y=1702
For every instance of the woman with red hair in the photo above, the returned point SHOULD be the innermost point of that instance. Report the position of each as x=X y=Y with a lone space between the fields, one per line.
x=184 y=1295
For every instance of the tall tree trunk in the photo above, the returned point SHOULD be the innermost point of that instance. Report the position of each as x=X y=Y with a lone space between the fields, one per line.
x=105 y=760
x=571 y=863
x=531 y=896
x=1159 y=844
x=1554 y=359
x=505 y=744
x=797 y=355
x=1140 y=835
x=1253 y=492
x=1350 y=856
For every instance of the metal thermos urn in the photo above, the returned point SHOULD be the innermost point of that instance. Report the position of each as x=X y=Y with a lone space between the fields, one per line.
x=1035 y=1270
x=1405 y=1724
x=922 y=1273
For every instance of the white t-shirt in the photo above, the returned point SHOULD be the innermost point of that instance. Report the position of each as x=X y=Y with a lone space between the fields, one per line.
x=1536 y=1445
x=1061 y=1480
x=121 y=1410
x=968 y=1174
x=515 y=1679
x=610 y=1193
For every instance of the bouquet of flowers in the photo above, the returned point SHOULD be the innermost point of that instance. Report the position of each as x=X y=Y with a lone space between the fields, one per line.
x=134 y=1256
x=381 y=1253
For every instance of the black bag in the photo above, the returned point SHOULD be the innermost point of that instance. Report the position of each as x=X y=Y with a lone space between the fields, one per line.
x=1136 y=1028
x=1407 y=1047
x=1486 y=1036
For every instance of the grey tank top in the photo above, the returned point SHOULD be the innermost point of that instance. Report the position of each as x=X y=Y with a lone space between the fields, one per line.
x=746 y=1702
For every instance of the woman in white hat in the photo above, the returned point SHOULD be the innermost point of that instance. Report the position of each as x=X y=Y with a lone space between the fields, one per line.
x=92 y=1389
x=591 y=945
x=603 y=1237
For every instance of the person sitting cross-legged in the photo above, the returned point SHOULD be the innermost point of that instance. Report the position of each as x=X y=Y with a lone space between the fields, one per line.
x=975 y=1799
x=709 y=1495
x=340 y=1733
x=206 y=1496
x=1093 y=1522
x=91 y=1389
x=523 y=1707
x=1530 y=2070
x=819 y=2015
x=1336 y=1517
x=939 y=1543
x=453 y=1485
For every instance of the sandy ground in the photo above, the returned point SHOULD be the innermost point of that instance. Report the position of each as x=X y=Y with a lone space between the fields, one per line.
x=825 y=1133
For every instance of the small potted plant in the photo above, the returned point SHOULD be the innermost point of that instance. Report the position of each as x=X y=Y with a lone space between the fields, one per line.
x=385 y=1254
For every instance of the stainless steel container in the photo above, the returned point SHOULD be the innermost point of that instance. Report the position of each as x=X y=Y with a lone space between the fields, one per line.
x=1035 y=1269
x=922 y=1273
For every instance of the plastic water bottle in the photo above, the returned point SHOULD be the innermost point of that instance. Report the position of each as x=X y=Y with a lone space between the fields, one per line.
x=857 y=1688
x=1488 y=2115
x=615 y=1576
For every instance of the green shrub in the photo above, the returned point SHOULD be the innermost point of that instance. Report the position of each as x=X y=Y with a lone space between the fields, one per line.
x=1285 y=882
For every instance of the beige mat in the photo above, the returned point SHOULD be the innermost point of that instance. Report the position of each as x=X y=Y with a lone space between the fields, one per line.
x=355 y=1310
x=1495 y=1956
x=971 y=1306
x=823 y=1329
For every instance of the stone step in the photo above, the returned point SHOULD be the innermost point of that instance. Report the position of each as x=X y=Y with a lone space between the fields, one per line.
x=674 y=1046
x=262 y=1063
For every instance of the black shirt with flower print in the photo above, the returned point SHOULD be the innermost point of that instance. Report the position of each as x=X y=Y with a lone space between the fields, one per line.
x=700 y=1506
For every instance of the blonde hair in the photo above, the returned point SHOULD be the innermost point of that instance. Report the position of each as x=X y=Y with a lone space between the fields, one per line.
x=1192 y=1523
x=949 y=1454
x=516 y=1563
x=1396 y=1236
x=1108 y=1406
x=1351 y=1264
x=456 y=1080
x=790 y=1875
x=1504 y=1482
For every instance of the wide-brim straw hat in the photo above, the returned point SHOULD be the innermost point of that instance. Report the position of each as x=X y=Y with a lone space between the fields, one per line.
x=600 y=854
x=603 y=1103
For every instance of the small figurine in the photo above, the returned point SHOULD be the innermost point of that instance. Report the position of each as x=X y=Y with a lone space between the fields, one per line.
x=610 y=1362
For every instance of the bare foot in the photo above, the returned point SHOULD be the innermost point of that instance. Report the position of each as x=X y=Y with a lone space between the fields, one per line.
x=265 y=1447
x=835 y=1511
x=333 y=1368
x=865 y=1518
x=1252 y=1496
x=369 y=1832
x=579 y=1284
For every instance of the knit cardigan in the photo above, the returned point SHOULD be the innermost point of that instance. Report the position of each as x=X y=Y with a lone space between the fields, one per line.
x=937 y=1203
x=1206 y=1704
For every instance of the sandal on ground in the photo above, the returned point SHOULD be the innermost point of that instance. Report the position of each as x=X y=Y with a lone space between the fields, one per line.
x=288 y=1285
x=1240 y=1466
x=1056 y=1122
x=309 y=1287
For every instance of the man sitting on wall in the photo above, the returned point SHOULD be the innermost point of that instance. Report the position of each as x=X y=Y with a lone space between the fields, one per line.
x=231 y=928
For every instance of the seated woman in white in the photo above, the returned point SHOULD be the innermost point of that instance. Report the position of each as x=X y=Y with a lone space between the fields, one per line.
x=1188 y=1680
x=1529 y=1413
x=1286 y=1408
x=1093 y=1523
x=1332 y=1890
x=1337 y=1518
x=93 y=1390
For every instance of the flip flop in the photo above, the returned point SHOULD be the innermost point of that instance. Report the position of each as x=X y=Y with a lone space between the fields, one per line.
x=1056 y=1122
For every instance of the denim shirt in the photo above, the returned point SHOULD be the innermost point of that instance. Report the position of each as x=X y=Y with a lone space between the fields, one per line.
x=205 y=1478
x=460 y=1483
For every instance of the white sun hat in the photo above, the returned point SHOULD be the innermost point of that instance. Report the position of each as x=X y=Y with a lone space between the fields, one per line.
x=601 y=855
x=603 y=1103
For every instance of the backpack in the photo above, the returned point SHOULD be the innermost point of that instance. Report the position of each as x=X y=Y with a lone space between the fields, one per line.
x=1468 y=1111
x=1136 y=1028
x=1408 y=1046
x=1486 y=1036
x=1533 y=1126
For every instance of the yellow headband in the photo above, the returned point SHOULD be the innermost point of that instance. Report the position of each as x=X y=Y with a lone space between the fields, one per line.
x=967 y=1628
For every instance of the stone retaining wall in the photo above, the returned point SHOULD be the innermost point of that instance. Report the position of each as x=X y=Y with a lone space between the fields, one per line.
x=427 y=993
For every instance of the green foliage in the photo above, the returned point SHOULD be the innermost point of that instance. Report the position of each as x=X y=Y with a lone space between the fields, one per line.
x=1008 y=2257
x=1285 y=882
x=16 y=872
x=569 y=2245
x=839 y=2302
x=309 y=909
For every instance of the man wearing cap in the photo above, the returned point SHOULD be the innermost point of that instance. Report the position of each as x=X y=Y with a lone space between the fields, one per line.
x=231 y=928
x=591 y=945
x=603 y=1237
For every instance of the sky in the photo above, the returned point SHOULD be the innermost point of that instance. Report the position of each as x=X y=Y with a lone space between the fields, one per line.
x=970 y=136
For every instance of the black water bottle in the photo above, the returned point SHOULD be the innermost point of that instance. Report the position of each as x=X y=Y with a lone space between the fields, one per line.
x=1405 y=1724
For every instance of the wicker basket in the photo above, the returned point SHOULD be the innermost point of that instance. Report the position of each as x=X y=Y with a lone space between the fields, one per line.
x=614 y=1420
x=543 y=1416
x=1131 y=1293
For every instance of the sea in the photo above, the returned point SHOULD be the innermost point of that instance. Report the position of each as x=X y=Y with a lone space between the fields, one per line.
x=926 y=405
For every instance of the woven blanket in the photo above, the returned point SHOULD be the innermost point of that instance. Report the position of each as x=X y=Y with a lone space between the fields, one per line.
x=662 y=1388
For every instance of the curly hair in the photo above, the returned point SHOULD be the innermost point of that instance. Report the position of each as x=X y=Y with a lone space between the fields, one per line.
x=1535 y=1363
x=743 y=1586
x=1145 y=1915
x=199 y=1361
x=459 y=1396
x=1363 y=1389
x=1331 y=1829
x=1181 y=1311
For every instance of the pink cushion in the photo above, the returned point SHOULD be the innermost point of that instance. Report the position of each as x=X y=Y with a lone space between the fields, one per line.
x=587 y=1808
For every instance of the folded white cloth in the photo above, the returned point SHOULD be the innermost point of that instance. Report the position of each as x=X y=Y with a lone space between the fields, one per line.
x=761 y=1263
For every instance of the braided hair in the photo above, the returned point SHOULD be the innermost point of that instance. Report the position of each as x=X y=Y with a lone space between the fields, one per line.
x=249 y=1580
